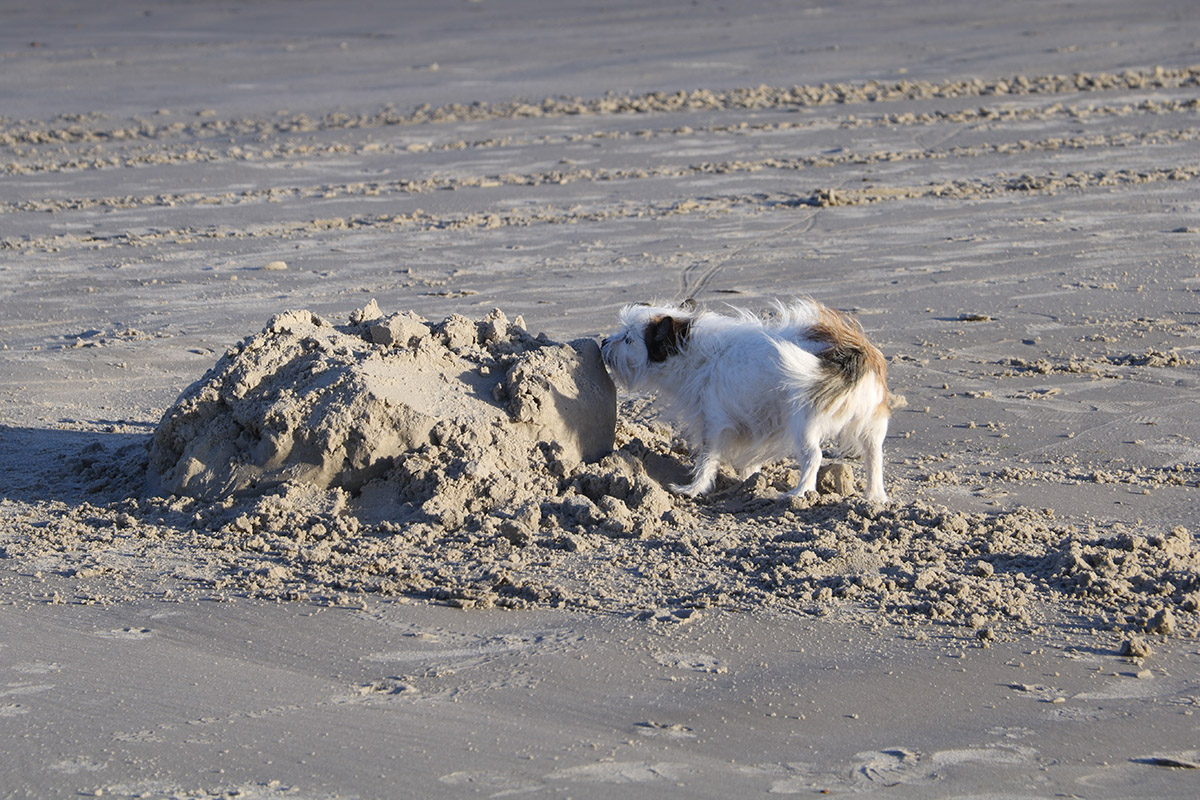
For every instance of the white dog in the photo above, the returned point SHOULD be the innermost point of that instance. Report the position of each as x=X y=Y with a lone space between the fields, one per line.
x=748 y=391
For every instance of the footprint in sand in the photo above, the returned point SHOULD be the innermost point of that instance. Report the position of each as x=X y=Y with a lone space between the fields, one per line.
x=898 y=765
x=495 y=784
x=621 y=772
x=127 y=633
x=20 y=689
x=668 y=730
x=36 y=668
x=696 y=662
x=76 y=765
x=889 y=767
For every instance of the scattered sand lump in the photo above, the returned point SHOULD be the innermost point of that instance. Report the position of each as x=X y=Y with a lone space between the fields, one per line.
x=422 y=408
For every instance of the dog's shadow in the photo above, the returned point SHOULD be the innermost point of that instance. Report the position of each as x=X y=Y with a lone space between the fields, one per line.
x=669 y=470
x=767 y=486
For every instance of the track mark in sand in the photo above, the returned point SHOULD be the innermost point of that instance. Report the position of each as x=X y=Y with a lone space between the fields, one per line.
x=386 y=690
x=872 y=770
x=77 y=765
x=75 y=128
x=621 y=772
x=252 y=791
x=887 y=767
x=1138 y=685
x=793 y=777
x=145 y=141
x=959 y=190
x=133 y=634
x=664 y=729
x=153 y=154
x=24 y=689
x=898 y=765
x=495 y=784
x=1002 y=754
x=456 y=650
x=695 y=278
x=696 y=662
x=559 y=177
x=19 y=689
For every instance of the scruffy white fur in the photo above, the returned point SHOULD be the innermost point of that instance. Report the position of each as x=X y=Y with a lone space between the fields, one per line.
x=748 y=390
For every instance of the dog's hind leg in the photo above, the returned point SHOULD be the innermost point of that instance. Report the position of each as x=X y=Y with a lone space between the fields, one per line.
x=873 y=460
x=808 y=453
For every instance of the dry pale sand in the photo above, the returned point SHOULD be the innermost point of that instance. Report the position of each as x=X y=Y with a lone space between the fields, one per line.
x=1006 y=195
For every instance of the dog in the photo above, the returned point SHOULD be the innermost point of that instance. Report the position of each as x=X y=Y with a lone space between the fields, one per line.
x=748 y=390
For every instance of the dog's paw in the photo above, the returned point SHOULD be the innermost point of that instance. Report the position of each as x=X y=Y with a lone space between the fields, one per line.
x=688 y=490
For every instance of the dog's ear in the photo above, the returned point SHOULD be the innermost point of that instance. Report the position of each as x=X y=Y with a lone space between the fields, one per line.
x=664 y=336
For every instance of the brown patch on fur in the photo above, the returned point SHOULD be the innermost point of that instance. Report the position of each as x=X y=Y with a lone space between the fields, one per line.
x=848 y=358
x=665 y=336
x=848 y=347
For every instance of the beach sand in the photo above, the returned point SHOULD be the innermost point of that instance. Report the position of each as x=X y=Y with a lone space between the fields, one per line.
x=1004 y=194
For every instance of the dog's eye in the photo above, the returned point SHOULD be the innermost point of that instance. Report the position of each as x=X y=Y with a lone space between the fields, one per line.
x=628 y=339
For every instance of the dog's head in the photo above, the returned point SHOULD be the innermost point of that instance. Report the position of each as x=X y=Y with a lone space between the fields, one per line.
x=649 y=336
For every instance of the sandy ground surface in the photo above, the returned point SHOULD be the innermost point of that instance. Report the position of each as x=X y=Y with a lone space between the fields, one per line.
x=1006 y=195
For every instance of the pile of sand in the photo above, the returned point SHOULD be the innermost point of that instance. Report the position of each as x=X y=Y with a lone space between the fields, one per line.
x=447 y=423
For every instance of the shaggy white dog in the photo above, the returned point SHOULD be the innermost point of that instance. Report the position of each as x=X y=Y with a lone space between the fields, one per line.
x=748 y=390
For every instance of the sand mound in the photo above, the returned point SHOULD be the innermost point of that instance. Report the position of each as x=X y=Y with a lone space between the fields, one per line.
x=434 y=421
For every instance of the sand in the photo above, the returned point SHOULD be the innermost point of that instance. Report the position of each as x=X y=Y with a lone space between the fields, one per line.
x=312 y=485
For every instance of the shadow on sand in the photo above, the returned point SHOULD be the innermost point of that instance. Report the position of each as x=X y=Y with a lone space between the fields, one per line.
x=45 y=464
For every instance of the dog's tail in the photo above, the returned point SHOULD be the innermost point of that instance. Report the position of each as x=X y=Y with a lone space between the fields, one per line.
x=847 y=360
